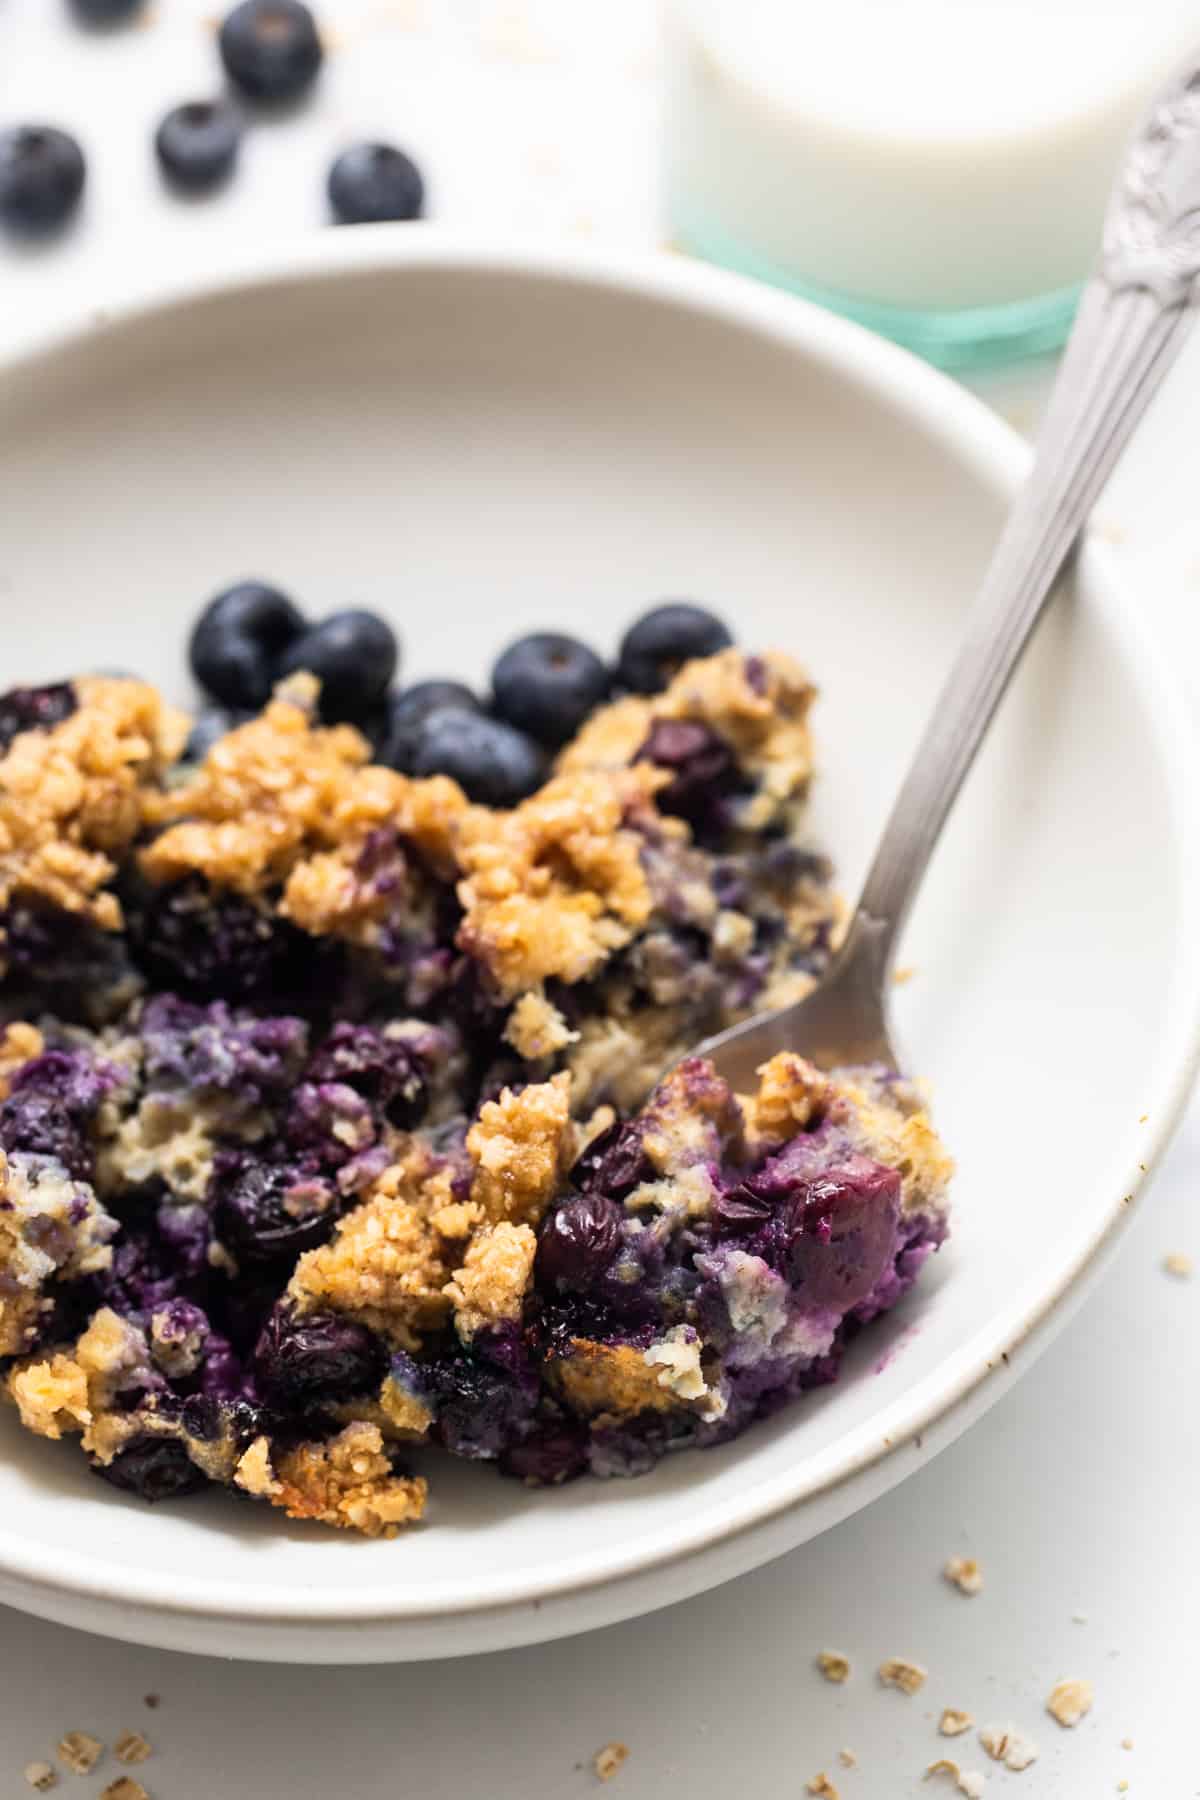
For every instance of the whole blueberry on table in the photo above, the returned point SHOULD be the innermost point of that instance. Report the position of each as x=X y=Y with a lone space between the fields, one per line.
x=354 y=656
x=239 y=641
x=406 y=712
x=492 y=763
x=42 y=173
x=197 y=144
x=106 y=12
x=271 y=49
x=370 y=184
x=661 y=641
x=547 y=684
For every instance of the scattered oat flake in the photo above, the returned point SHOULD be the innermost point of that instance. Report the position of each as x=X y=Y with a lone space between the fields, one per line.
x=1127 y=1743
x=897 y=1672
x=967 y=1781
x=608 y=1761
x=41 y=1776
x=847 y=1759
x=903 y=975
x=1122 y=1787
x=833 y=1665
x=1070 y=1701
x=124 y=1788
x=822 y=1787
x=964 y=1573
x=1005 y=1744
x=79 y=1752
x=1179 y=1264
x=131 y=1747
x=953 y=1722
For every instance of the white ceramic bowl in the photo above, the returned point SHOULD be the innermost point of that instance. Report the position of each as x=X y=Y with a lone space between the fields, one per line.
x=481 y=442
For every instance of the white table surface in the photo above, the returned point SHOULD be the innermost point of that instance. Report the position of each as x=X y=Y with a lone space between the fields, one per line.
x=1077 y=1493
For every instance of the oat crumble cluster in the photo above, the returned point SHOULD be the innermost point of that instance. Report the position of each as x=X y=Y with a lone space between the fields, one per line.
x=334 y=1132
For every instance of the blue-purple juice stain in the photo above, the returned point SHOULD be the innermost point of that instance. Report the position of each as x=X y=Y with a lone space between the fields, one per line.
x=299 y=1061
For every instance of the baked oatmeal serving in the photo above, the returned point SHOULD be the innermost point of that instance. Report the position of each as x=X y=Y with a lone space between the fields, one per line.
x=342 y=1115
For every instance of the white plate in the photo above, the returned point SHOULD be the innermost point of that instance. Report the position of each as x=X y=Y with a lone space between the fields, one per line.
x=479 y=442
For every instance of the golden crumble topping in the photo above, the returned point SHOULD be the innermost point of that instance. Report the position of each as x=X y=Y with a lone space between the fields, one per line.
x=536 y=1029
x=791 y=1093
x=759 y=706
x=892 y=1125
x=691 y=1116
x=254 y=1474
x=555 y=886
x=71 y=797
x=602 y=1379
x=385 y=1264
x=72 y=1391
x=522 y=1145
x=348 y=1482
x=401 y=1414
x=491 y=1285
x=50 y=1226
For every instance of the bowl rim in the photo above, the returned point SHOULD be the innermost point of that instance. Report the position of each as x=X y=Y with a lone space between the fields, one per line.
x=937 y=1409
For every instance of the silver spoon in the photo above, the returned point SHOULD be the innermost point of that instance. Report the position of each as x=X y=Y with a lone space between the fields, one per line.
x=1132 y=320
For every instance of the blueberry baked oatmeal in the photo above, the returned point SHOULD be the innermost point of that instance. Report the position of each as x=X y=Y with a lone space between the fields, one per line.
x=341 y=1108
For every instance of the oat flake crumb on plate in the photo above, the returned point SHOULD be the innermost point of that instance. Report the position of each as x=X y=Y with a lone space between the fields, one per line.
x=953 y=1722
x=1006 y=1744
x=1070 y=1701
x=898 y=1672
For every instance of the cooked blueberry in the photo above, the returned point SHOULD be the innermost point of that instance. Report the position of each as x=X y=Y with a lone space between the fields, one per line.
x=268 y=1211
x=406 y=712
x=657 y=646
x=106 y=12
x=42 y=173
x=50 y=1106
x=353 y=655
x=613 y=1163
x=215 y=946
x=703 y=768
x=551 y=1457
x=372 y=183
x=385 y=1070
x=270 y=48
x=209 y=727
x=197 y=144
x=34 y=709
x=547 y=684
x=491 y=761
x=578 y=1241
x=153 y=1468
x=842 y=1230
x=301 y=1362
x=239 y=642
x=479 y=1410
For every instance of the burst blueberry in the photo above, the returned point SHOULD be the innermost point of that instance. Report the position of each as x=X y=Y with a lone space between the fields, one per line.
x=371 y=184
x=42 y=175
x=547 y=684
x=492 y=762
x=354 y=656
x=197 y=144
x=271 y=49
x=153 y=1468
x=655 y=648
x=307 y=1361
x=239 y=642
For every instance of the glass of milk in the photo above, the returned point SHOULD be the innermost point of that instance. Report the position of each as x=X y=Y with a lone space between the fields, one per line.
x=937 y=169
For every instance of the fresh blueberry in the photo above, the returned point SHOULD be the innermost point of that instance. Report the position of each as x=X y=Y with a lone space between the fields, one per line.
x=578 y=1241
x=407 y=711
x=271 y=49
x=239 y=641
x=210 y=725
x=153 y=1468
x=370 y=184
x=42 y=173
x=354 y=656
x=34 y=709
x=304 y=1361
x=270 y=1211
x=197 y=144
x=106 y=12
x=492 y=762
x=658 y=645
x=547 y=684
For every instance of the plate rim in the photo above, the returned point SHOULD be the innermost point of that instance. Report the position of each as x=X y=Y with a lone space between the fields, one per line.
x=921 y=1421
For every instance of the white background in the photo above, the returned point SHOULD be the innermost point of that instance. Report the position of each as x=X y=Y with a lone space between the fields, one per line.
x=1078 y=1494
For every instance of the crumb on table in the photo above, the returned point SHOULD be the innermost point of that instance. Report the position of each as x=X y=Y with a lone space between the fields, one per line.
x=1005 y=1744
x=131 y=1747
x=41 y=1776
x=80 y=1752
x=967 y=1781
x=898 y=1672
x=964 y=1573
x=1070 y=1701
x=1179 y=1264
x=822 y=1787
x=124 y=1788
x=609 y=1760
x=847 y=1759
x=953 y=1722
x=833 y=1665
